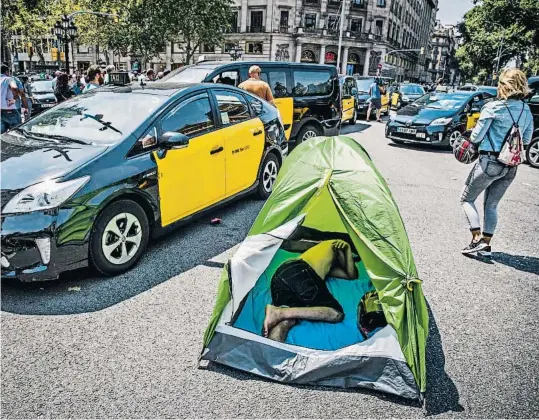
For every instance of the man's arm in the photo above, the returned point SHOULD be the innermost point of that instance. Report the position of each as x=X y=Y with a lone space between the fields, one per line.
x=346 y=268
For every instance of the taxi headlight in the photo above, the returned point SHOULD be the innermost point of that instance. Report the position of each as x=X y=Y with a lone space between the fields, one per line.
x=441 y=121
x=43 y=196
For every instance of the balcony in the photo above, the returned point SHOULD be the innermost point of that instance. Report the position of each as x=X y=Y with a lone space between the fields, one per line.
x=284 y=29
x=311 y=2
x=256 y=29
x=359 y=4
x=334 y=3
x=312 y=30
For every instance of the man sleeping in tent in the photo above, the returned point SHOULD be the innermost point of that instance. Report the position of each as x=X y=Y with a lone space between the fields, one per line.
x=299 y=290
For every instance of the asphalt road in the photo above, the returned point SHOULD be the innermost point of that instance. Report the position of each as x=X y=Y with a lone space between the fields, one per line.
x=127 y=346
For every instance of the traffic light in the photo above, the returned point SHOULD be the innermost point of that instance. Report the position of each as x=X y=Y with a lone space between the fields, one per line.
x=422 y=51
x=54 y=54
x=62 y=56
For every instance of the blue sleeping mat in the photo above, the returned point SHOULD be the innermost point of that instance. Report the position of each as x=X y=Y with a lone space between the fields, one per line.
x=315 y=335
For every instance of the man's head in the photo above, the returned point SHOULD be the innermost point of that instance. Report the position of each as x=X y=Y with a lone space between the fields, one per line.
x=110 y=68
x=94 y=75
x=254 y=72
x=150 y=74
x=370 y=315
x=5 y=69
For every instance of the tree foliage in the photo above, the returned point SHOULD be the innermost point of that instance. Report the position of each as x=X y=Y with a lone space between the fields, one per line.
x=511 y=24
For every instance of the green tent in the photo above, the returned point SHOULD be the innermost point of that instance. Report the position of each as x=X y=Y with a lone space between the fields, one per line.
x=327 y=188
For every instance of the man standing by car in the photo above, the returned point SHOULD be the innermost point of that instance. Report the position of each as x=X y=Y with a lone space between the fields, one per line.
x=256 y=86
x=375 y=97
x=9 y=91
x=95 y=79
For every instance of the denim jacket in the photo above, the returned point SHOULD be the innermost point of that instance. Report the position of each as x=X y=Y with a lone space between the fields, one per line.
x=496 y=121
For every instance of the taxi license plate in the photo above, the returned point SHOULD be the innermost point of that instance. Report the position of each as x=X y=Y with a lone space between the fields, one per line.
x=47 y=105
x=406 y=130
x=420 y=135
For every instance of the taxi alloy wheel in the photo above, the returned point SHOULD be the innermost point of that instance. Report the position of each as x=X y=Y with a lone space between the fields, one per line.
x=268 y=176
x=454 y=137
x=119 y=237
x=532 y=153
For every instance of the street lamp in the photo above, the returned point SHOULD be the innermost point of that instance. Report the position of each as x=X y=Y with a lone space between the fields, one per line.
x=66 y=32
x=235 y=52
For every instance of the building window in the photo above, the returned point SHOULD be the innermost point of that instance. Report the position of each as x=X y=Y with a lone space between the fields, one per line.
x=389 y=29
x=234 y=22
x=310 y=21
x=207 y=48
x=333 y=23
x=257 y=17
x=312 y=2
x=381 y=3
x=83 y=49
x=358 y=3
x=355 y=26
x=379 y=27
x=283 y=22
x=254 y=47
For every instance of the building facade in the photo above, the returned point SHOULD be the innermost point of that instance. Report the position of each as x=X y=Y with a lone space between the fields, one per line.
x=443 y=64
x=308 y=31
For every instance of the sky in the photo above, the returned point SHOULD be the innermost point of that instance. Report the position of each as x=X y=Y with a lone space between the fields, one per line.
x=452 y=11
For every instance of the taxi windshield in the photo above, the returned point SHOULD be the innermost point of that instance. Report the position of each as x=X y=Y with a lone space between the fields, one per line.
x=189 y=75
x=94 y=118
x=412 y=90
x=363 y=85
x=446 y=101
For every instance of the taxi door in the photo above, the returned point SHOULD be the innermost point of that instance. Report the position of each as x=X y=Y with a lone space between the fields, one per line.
x=347 y=101
x=244 y=140
x=277 y=78
x=475 y=112
x=192 y=177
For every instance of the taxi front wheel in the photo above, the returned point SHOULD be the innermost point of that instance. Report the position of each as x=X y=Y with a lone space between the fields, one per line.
x=268 y=176
x=119 y=237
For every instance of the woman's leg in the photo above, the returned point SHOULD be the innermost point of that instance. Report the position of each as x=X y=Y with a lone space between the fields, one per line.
x=493 y=195
x=476 y=183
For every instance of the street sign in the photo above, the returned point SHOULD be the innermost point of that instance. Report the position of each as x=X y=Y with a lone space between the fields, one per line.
x=380 y=66
x=62 y=56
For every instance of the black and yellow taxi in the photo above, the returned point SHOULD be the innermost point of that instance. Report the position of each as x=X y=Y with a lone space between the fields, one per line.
x=91 y=180
x=437 y=118
x=306 y=95
x=363 y=84
x=348 y=99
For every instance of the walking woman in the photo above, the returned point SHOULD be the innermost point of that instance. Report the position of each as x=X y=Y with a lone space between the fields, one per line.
x=489 y=175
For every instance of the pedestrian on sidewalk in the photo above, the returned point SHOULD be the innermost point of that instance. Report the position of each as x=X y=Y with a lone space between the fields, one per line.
x=256 y=86
x=495 y=124
x=375 y=100
x=63 y=90
x=10 y=116
x=94 y=78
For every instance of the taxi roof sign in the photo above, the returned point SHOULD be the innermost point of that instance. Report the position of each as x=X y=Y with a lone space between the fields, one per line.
x=119 y=78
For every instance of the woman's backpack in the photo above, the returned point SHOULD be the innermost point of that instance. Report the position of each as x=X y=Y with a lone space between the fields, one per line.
x=511 y=152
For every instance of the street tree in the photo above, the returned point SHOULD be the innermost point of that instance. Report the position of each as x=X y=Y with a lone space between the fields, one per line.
x=497 y=31
x=194 y=23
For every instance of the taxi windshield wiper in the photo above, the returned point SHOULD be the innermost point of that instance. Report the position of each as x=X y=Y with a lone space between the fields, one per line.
x=99 y=119
x=52 y=136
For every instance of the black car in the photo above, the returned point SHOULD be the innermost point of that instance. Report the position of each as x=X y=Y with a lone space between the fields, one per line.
x=437 y=118
x=42 y=96
x=406 y=94
x=90 y=180
x=532 y=151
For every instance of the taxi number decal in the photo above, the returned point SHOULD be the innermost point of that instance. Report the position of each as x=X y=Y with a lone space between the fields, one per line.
x=241 y=149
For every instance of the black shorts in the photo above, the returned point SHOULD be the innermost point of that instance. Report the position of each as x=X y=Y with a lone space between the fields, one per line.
x=376 y=103
x=295 y=284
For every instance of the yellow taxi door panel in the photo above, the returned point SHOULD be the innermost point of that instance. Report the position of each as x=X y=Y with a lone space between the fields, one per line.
x=192 y=177
x=347 y=108
x=394 y=99
x=244 y=140
x=244 y=146
x=286 y=109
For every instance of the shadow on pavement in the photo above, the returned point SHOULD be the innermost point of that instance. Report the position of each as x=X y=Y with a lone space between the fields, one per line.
x=518 y=262
x=183 y=249
x=441 y=397
x=427 y=148
x=356 y=128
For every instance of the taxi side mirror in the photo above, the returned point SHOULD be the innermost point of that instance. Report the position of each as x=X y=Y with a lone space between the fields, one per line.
x=475 y=109
x=172 y=140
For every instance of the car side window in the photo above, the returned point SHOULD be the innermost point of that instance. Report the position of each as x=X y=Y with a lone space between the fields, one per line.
x=256 y=105
x=233 y=107
x=230 y=77
x=277 y=80
x=534 y=96
x=312 y=83
x=192 y=117
x=345 y=89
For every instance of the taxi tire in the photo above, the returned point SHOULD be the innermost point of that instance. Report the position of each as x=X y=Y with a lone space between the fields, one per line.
x=535 y=145
x=96 y=255
x=304 y=130
x=262 y=193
